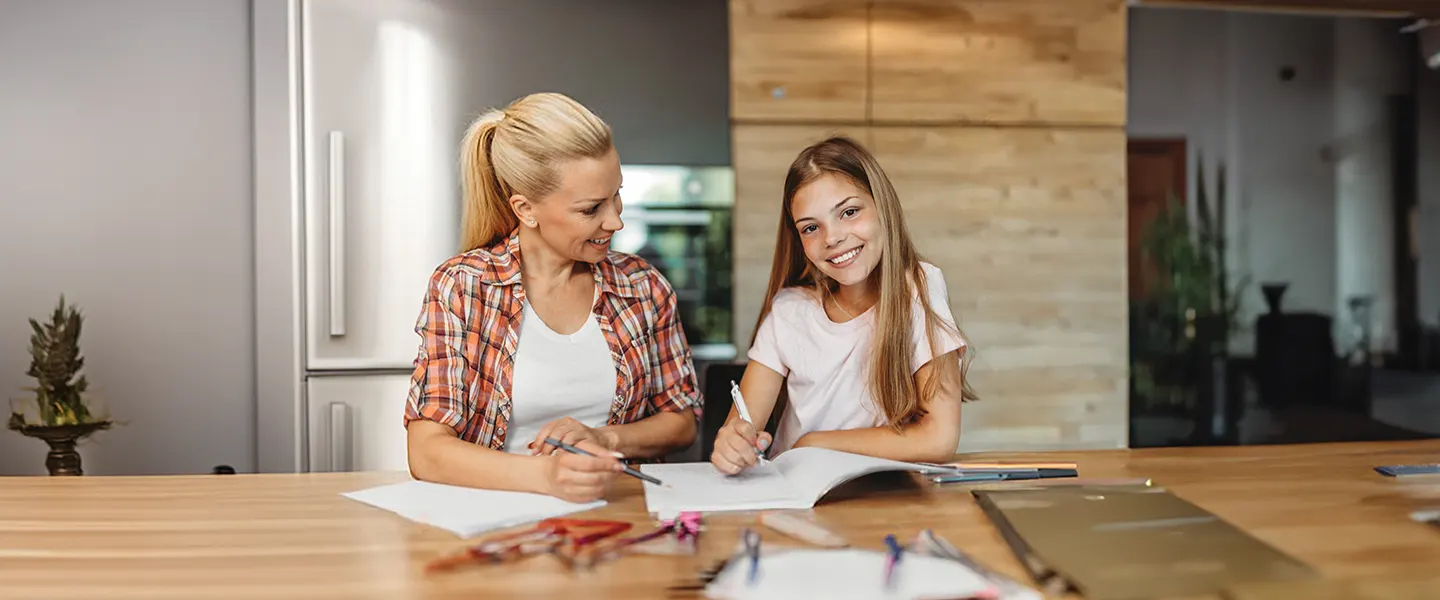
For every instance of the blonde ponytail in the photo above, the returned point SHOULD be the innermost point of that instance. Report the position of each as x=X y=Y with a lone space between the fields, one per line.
x=518 y=150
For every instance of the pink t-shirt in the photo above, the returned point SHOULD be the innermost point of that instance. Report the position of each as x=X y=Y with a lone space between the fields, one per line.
x=827 y=362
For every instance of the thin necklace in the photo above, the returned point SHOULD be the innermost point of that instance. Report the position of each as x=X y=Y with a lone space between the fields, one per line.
x=836 y=301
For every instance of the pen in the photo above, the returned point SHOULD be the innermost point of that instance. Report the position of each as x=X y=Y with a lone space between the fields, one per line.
x=893 y=560
x=751 y=539
x=628 y=471
x=740 y=407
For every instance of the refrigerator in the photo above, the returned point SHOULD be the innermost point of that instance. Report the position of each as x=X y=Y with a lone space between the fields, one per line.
x=384 y=105
x=360 y=107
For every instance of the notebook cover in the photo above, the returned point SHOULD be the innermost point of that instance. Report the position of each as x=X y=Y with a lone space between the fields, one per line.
x=1123 y=542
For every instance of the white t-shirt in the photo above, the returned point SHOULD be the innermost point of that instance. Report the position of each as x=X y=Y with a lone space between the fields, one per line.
x=557 y=376
x=827 y=363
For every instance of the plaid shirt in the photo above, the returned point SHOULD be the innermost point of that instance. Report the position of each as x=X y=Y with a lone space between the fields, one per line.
x=470 y=328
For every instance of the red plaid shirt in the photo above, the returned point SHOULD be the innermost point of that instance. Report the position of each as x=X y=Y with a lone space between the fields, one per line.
x=470 y=328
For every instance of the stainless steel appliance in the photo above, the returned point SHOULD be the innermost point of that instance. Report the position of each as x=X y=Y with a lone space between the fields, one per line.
x=360 y=106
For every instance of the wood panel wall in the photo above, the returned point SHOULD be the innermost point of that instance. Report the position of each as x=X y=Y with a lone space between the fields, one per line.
x=1001 y=125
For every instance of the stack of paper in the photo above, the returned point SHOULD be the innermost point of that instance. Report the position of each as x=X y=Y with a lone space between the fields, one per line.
x=466 y=512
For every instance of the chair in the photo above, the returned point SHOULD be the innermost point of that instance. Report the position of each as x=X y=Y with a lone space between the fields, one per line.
x=716 y=384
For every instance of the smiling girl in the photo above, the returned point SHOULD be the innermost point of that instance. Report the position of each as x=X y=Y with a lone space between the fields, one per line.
x=855 y=326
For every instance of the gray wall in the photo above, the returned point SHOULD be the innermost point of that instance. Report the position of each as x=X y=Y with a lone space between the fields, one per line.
x=1309 y=179
x=125 y=180
x=1428 y=101
x=656 y=70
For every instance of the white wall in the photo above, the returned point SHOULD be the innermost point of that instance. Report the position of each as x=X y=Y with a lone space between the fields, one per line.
x=1213 y=77
x=125 y=180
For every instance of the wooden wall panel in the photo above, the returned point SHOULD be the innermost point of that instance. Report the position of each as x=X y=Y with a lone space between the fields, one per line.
x=1028 y=225
x=763 y=153
x=999 y=61
x=1001 y=123
x=799 y=60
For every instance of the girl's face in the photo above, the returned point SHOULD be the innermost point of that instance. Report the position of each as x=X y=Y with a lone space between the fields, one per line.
x=839 y=228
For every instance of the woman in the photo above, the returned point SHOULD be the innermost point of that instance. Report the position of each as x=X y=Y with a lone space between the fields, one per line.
x=537 y=330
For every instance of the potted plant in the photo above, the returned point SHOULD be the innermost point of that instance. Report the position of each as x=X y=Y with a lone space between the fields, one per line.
x=61 y=416
x=1180 y=334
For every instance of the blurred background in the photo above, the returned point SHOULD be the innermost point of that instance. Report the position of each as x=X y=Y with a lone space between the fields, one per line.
x=1169 y=222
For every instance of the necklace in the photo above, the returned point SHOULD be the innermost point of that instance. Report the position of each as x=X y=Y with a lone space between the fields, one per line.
x=836 y=301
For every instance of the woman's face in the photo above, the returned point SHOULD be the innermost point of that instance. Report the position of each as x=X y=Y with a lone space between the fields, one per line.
x=578 y=219
x=839 y=228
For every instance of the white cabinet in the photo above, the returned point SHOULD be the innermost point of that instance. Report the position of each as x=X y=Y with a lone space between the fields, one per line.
x=356 y=422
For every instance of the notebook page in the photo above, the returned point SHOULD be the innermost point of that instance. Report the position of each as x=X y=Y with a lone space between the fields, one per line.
x=464 y=511
x=700 y=486
x=843 y=574
x=815 y=471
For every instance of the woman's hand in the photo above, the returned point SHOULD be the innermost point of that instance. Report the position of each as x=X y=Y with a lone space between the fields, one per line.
x=569 y=431
x=736 y=447
x=579 y=478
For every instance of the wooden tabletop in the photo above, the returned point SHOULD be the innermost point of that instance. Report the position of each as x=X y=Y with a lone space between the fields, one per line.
x=294 y=536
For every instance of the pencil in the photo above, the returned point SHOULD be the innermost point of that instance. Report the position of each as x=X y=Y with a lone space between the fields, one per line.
x=628 y=471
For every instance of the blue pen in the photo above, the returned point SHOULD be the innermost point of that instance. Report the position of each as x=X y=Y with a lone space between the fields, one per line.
x=751 y=539
x=892 y=561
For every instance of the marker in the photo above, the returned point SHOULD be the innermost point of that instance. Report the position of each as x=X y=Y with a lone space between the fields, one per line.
x=893 y=560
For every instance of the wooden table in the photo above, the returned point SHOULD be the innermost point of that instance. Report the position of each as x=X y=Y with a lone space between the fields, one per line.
x=293 y=536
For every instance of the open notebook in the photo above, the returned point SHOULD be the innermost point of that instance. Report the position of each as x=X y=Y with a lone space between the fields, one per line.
x=464 y=511
x=797 y=479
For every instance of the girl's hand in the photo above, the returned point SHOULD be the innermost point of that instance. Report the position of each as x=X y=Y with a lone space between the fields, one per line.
x=737 y=447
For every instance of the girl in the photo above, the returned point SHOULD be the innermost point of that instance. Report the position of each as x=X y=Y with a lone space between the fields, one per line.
x=855 y=325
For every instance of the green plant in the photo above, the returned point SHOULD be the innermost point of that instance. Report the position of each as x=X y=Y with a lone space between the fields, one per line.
x=57 y=364
x=1193 y=309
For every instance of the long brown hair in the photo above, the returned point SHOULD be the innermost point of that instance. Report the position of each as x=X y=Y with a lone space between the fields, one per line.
x=900 y=276
x=518 y=150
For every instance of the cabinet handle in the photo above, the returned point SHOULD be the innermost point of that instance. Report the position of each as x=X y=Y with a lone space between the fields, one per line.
x=339 y=437
x=337 y=234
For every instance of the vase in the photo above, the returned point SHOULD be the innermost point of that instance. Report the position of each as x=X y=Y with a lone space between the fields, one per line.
x=63 y=459
x=1273 y=292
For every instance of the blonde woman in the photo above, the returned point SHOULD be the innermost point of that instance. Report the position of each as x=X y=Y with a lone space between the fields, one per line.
x=855 y=325
x=537 y=329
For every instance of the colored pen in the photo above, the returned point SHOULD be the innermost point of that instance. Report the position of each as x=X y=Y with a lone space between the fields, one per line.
x=744 y=411
x=967 y=478
x=751 y=539
x=892 y=561
x=628 y=471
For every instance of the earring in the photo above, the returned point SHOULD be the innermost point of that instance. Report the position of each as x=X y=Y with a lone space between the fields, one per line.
x=532 y=222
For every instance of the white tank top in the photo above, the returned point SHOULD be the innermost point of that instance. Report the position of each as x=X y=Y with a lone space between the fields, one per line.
x=557 y=376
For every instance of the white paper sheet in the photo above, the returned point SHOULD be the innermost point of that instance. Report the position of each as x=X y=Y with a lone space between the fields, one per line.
x=466 y=512
x=843 y=574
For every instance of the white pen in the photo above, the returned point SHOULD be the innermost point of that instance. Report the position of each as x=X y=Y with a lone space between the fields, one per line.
x=740 y=407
